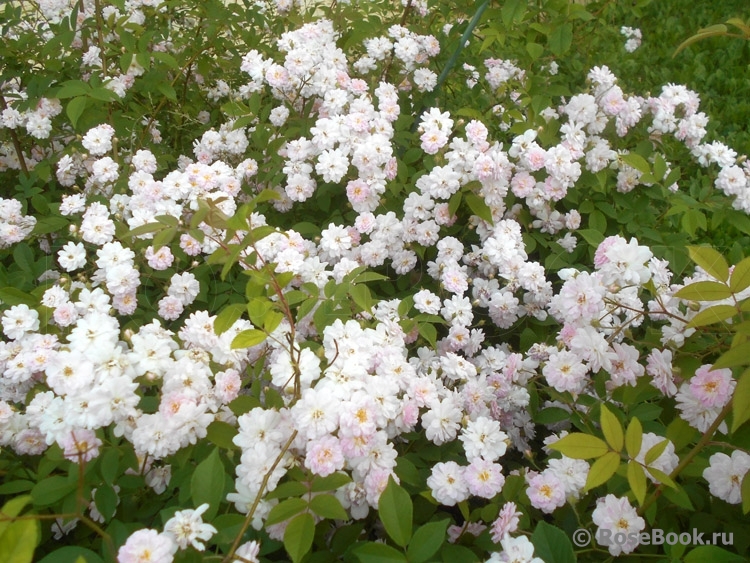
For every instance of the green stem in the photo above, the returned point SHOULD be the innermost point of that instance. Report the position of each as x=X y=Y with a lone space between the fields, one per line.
x=14 y=138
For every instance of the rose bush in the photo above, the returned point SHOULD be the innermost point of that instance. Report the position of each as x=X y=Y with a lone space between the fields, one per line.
x=362 y=283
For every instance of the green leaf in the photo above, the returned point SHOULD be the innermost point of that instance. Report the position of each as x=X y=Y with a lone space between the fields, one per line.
x=602 y=470
x=552 y=544
x=11 y=509
x=361 y=295
x=535 y=50
x=75 y=108
x=745 y=491
x=144 y=230
x=14 y=296
x=704 y=291
x=285 y=510
x=207 y=484
x=298 y=536
x=611 y=428
x=51 y=224
x=395 y=509
x=655 y=451
x=598 y=222
x=710 y=260
x=715 y=314
x=220 y=433
x=634 y=438
x=248 y=338
x=106 y=501
x=373 y=552
x=740 y=279
x=580 y=446
x=328 y=506
x=72 y=88
x=741 y=401
x=712 y=553
x=736 y=356
x=50 y=490
x=591 y=236
x=19 y=541
x=637 y=480
x=661 y=477
x=72 y=554
x=513 y=11
x=636 y=161
x=330 y=482
x=561 y=39
x=478 y=207
x=228 y=316
x=426 y=541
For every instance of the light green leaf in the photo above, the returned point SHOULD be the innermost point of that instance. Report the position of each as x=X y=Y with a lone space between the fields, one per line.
x=704 y=291
x=72 y=554
x=634 y=438
x=228 y=316
x=611 y=428
x=715 y=314
x=736 y=356
x=361 y=295
x=741 y=401
x=740 y=279
x=478 y=207
x=11 y=509
x=637 y=481
x=426 y=541
x=655 y=451
x=580 y=446
x=602 y=470
x=661 y=477
x=710 y=260
x=248 y=338
x=19 y=541
x=637 y=161
x=745 y=491
x=513 y=11
x=299 y=535
x=395 y=509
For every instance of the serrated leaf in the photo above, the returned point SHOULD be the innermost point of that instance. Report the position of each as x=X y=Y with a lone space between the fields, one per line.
x=741 y=401
x=395 y=509
x=373 y=552
x=704 y=291
x=740 y=279
x=298 y=536
x=612 y=429
x=634 y=438
x=328 y=506
x=285 y=510
x=248 y=338
x=637 y=481
x=710 y=260
x=426 y=541
x=207 y=484
x=580 y=446
x=552 y=544
x=602 y=470
x=715 y=314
